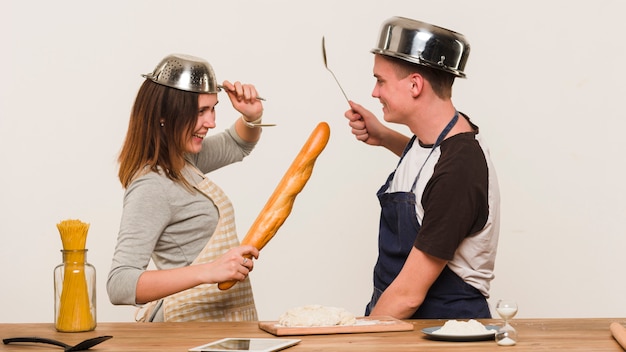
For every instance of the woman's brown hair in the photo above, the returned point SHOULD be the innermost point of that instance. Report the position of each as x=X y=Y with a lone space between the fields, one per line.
x=161 y=121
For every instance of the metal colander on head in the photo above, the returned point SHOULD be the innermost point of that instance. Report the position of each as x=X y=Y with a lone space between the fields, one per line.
x=185 y=72
x=424 y=44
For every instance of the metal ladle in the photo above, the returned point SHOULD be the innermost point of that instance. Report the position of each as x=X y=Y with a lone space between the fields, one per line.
x=329 y=70
x=81 y=346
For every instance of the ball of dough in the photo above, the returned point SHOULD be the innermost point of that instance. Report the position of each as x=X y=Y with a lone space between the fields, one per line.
x=316 y=315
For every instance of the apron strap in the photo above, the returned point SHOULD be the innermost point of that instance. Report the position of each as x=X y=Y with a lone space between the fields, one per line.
x=440 y=139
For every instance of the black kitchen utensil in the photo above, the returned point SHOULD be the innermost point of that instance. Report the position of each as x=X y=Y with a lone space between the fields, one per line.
x=81 y=346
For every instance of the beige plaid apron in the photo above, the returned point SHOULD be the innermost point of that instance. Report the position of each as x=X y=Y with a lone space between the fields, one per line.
x=207 y=302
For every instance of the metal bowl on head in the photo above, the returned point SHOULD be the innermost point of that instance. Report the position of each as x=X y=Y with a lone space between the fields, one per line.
x=185 y=72
x=424 y=44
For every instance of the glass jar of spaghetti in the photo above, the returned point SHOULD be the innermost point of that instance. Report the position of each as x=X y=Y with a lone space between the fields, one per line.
x=74 y=293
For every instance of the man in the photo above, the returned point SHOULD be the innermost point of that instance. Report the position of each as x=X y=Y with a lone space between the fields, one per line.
x=440 y=208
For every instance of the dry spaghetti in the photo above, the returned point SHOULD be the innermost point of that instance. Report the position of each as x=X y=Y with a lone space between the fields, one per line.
x=75 y=311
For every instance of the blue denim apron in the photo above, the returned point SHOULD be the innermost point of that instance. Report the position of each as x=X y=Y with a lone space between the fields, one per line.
x=449 y=297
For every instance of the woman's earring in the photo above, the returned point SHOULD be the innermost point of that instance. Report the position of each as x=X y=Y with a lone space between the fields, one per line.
x=162 y=123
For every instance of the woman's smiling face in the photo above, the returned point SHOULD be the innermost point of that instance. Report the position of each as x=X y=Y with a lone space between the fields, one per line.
x=205 y=122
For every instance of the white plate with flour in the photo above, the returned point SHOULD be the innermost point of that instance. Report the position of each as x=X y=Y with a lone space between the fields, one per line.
x=430 y=333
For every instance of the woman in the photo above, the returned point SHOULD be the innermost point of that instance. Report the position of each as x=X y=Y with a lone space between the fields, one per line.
x=173 y=214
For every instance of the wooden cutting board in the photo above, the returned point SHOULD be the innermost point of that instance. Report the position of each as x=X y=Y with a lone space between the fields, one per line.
x=363 y=324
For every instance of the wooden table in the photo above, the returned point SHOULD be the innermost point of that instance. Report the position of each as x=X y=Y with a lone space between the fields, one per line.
x=534 y=335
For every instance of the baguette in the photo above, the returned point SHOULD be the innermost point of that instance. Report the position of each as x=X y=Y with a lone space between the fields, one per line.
x=280 y=203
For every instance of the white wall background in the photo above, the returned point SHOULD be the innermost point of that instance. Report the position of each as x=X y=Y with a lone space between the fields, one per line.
x=545 y=84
